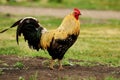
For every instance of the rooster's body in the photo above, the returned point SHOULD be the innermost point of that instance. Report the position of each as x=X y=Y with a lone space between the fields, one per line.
x=56 y=42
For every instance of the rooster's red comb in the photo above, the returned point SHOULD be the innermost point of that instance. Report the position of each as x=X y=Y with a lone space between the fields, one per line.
x=77 y=10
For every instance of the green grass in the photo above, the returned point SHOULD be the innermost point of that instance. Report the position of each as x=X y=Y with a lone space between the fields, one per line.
x=82 y=4
x=111 y=78
x=1 y=71
x=19 y=65
x=34 y=77
x=90 y=78
x=99 y=41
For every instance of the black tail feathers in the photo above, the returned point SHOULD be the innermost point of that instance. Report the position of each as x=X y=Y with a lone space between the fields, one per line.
x=31 y=30
x=15 y=24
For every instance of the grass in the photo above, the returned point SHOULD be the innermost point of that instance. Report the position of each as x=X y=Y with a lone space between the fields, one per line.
x=19 y=65
x=111 y=78
x=99 y=41
x=90 y=78
x=82 y=4
x=1 y=71
x=34 y=77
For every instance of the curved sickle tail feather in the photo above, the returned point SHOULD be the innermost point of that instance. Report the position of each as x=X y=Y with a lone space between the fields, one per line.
x=31 y=30
x=15 y=24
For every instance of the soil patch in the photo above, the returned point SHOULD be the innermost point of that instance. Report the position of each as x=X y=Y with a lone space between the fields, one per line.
x=38 y=66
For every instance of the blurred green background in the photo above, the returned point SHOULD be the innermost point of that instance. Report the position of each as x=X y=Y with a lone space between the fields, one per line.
x=82 y=4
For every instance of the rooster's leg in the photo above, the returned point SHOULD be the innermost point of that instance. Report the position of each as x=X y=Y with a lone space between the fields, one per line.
x=52 y=64
x=60 y=65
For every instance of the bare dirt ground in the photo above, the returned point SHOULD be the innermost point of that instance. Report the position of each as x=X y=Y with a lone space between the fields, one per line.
x=58 y=12
x=37 y=64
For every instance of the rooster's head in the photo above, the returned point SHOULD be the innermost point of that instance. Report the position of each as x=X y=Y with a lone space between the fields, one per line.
x=76 y=13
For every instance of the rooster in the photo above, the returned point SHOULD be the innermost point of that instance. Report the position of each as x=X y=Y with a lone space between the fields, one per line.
x=56 y=41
